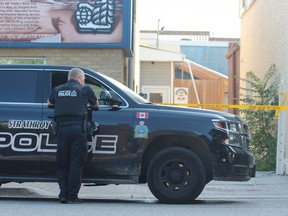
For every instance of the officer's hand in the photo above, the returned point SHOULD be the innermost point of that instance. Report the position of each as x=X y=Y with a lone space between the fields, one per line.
x=51 y=106
x=94 y=108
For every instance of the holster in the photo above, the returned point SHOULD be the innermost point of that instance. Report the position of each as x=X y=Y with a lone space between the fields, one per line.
x=54 y=127
x=92 y=128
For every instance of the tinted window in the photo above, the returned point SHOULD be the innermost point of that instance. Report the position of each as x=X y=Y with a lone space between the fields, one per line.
x=59 y=78
x=20 y=86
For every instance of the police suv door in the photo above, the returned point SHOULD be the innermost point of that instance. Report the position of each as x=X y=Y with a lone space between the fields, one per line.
x=112 y=153
x=21 y=122
x=109 y=152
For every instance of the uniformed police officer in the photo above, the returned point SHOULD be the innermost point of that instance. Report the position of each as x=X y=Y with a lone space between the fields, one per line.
x=70 y=101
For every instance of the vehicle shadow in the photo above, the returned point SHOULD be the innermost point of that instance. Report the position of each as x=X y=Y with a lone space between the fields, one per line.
x=29 y=194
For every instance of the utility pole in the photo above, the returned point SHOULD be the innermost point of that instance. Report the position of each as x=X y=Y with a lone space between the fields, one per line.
x=158 y=33
x=157 y=39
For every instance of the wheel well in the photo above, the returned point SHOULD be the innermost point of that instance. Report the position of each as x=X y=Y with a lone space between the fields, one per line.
x=190 y=143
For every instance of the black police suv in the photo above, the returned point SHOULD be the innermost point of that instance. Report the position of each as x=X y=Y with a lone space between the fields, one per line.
x=176 y=150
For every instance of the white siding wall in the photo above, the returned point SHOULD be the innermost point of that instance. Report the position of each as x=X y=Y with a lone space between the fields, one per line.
x=155 y=74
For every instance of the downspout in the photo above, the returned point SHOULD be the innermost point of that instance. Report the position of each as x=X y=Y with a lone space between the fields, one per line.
x=281 y=169
x=130 y=74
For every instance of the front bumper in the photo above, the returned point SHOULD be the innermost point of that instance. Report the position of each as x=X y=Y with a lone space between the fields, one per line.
x=233 y=163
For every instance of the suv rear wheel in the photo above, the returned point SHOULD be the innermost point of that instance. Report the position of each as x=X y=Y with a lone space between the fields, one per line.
x=176 y=175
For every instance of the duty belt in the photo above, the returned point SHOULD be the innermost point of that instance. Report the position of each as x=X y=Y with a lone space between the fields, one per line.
x=64 y=123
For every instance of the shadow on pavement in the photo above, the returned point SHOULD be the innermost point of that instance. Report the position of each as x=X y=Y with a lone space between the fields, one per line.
x=30 y=195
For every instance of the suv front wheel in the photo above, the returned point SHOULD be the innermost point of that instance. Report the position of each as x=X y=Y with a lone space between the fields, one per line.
x=176 y=175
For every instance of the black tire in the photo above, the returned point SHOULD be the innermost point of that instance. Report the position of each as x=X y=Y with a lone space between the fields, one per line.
x=176 y=175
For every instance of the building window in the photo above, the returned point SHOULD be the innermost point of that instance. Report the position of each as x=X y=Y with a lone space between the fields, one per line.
x=156 y=97
x=244 y=5
x=22 y=61
x=179 y=74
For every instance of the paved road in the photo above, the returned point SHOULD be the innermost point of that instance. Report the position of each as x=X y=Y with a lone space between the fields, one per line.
x=267 y=194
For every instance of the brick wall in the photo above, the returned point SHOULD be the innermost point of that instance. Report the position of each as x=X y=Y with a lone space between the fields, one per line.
x=264 y=32
x=111 y=62
x=264 y=36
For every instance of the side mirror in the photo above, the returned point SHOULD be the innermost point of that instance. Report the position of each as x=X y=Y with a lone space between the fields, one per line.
x=110 y=98
x=105 y=96
x=144 y=95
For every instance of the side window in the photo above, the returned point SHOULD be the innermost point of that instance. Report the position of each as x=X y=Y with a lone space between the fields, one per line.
x=95 y=86
x=20 y=86
x=59 y=78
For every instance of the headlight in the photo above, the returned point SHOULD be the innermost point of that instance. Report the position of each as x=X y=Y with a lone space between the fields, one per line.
x=232 y=130
x=232 y=127
x=219 y=124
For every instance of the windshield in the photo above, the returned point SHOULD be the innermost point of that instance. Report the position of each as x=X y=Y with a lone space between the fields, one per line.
x=137 y=98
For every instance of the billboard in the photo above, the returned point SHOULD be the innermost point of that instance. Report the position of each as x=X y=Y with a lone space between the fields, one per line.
x=66 y=23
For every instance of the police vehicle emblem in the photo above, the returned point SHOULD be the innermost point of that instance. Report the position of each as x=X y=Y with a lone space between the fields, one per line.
x=141 y=130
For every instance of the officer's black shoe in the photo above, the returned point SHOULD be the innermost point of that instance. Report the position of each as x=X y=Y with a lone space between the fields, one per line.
x=63 y=200
x=75 y=201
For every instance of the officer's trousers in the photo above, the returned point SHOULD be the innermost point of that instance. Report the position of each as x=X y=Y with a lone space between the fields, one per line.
x=71 y=156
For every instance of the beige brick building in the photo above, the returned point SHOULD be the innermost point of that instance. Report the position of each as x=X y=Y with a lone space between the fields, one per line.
x=69 y=33
x=111 y=62
x=264 y=41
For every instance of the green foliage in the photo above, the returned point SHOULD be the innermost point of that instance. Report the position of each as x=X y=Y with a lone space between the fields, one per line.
x=262 y=124
x=22 y=61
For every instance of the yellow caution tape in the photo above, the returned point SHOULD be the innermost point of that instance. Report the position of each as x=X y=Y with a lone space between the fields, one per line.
x=281 y=104
x=242 y=106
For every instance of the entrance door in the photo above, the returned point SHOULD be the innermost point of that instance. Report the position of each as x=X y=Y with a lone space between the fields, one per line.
x=157 y=94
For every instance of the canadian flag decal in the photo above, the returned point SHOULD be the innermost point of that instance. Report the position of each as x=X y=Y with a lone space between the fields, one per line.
x=142 y=115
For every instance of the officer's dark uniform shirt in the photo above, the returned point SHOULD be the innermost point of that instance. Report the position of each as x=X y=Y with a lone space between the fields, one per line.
x=71 y=100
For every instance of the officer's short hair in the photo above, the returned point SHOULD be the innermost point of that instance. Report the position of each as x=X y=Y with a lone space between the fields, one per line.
x=75 y=72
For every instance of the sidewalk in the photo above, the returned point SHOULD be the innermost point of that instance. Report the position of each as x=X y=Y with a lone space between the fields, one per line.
x=265 y=184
